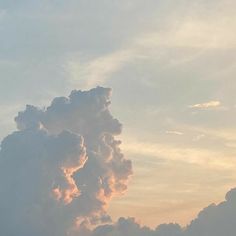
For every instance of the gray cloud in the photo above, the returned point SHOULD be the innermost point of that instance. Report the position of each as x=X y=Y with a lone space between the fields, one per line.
x=214 y=220
x=31 y=162
x=130 y=227
x=62 y=167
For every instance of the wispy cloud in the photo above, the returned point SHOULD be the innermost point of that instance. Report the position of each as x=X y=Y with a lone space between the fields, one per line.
x=201 y=33
x=206 y=105
x=175 y=132
x=193 y=155
x=98 y=70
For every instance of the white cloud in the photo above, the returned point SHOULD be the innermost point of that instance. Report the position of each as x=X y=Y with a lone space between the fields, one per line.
x=206 y=105
x=174 y=132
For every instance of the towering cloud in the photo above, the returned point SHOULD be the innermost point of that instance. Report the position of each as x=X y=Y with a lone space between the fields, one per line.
x=62 y=167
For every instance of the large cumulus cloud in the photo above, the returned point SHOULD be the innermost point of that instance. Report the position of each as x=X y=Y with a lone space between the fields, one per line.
x=62 y=167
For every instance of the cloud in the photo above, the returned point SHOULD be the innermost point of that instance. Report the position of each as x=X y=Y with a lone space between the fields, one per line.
x=197 y=34
x=62 y=167
x=32 y=166
x=98 y=70
x=129 y=227
x=206 y=105
x=214 y=220
x=174 y=132
x=170 y=152
x=69 y=33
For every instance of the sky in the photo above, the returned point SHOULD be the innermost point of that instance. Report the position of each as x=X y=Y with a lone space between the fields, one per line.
x=171 y=66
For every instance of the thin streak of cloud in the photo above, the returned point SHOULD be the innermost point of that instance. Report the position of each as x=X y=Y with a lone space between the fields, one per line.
x=199 y=156
x=206 y=105
x=226 y=134
x=174 y=132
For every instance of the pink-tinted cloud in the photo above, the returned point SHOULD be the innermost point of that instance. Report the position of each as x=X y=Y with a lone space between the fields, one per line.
x=62 y=166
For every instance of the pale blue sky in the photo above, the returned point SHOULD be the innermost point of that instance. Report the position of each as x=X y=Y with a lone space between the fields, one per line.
x=171 y=65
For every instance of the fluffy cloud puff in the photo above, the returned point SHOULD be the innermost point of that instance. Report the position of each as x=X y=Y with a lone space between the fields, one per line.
x=129 y=227
x=62 y=167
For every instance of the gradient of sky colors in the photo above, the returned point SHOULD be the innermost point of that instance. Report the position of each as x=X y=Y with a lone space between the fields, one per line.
x=171 y=65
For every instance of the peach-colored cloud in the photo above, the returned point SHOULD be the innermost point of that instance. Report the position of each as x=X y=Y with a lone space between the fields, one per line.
x=71 y=190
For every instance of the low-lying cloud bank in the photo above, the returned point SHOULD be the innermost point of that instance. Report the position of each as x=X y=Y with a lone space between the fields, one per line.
x=215 y=220
x=62 y=167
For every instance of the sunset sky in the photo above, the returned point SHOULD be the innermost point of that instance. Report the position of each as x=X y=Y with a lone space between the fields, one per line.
x=171 y=66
